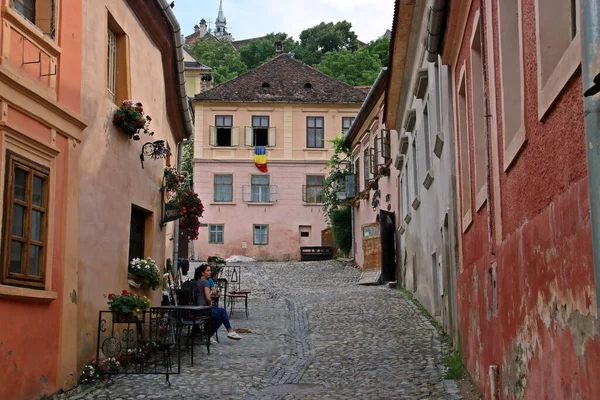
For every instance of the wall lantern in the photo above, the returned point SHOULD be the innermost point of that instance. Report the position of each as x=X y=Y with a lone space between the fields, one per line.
x=154 y=150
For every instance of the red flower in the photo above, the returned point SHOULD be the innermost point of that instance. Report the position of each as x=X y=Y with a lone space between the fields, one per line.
x=125 y=293
x=110 y=295
x=117 y=118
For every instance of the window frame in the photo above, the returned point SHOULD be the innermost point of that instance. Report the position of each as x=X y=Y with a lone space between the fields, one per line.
x=316 y=131
x=122 y=70
x=139 y=215
x=14 y=161
x=346 y=129
x=36 y=13
x=260 y=185
x=216 y=233
x=224 y=127
x=262 y=119
x=317 y=199
x=215 y=185
x=261 y=227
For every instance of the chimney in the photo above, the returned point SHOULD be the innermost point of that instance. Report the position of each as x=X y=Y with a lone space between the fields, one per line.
x=196 y=28
x=278 y=47
x=203 y=29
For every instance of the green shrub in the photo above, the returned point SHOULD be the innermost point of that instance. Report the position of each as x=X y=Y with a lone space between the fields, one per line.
x=341 y=224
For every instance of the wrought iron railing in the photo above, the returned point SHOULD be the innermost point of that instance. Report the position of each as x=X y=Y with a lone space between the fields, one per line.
x=140 y=343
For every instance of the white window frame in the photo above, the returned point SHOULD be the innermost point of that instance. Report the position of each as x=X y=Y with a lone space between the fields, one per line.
x=112 y=65
x=213 y=233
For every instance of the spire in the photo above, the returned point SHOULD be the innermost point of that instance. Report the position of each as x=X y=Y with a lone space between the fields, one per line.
x=221 y=16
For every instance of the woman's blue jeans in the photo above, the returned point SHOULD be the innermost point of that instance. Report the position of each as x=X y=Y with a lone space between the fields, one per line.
x=219 y=317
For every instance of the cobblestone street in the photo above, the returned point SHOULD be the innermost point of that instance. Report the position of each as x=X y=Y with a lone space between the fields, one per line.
x=313 y=333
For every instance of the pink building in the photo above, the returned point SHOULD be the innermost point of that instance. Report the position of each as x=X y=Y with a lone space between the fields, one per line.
x=291 y=110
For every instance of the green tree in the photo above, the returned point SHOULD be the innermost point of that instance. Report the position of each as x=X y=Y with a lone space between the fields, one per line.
x=380 y=48
x=261 y=50
x=221 y=57
x=338 y=166
x=324 y=38
x=341 y=225
x=356 y=68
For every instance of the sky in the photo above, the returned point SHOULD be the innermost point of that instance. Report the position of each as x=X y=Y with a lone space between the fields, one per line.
x=254 y=18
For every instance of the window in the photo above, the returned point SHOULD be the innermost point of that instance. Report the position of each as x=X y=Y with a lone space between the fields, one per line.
x=39 y=12
x=375 y=163
x=260 y=188
x=25 y=223
x=315 y=134
x=215 y=233
x=465 y=168
x=137 y=233
x=367 y=165
x=314 y=188
x=357 y=174
x=386 y=148
x=117 y=63
x=426 y=137
x=478 y=118
x=407 y=191
x=511 y=75
x=346 y=124
x=261 y=234
x=260 y=130
x=223 y=188
x=223 y=123
x=415 y=166
x=304 y=234
x=112 y=66
x=558 y=48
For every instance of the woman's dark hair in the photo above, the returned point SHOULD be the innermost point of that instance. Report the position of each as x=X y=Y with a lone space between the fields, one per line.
x=200 y=270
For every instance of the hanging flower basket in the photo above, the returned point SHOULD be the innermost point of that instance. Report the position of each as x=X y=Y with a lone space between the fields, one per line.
x=130 y=119
x=143 y=283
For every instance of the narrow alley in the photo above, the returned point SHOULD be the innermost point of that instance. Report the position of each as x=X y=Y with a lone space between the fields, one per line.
x=312 y=333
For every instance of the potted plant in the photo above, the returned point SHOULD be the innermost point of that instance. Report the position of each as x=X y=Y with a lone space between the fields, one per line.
x=145 y=272
x=130 y=118
x=127 y=307
x=180 y=194
x=216 y=262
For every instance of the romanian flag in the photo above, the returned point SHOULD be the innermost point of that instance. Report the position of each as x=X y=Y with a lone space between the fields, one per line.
x=260 y=158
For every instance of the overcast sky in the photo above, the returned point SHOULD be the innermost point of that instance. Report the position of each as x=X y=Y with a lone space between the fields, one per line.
x=253 y=18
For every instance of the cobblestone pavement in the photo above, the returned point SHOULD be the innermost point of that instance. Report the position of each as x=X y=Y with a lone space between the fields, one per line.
x=313 y=334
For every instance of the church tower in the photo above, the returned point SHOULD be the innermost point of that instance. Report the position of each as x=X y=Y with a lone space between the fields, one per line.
x=221 y=23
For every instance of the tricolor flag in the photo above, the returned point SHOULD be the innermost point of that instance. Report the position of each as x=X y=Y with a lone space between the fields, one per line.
x=260 y=158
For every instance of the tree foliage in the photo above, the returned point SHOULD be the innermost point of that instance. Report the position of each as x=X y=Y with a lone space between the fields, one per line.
x=222 y=57
x=338 y=167
x=356 y=68
x=341 y=225
x=261 y=50
x=187 y=158
x=380 y=48
x=325 y=38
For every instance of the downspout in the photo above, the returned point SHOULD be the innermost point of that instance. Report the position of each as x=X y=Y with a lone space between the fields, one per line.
x=486 y=132
x=435 y=29
x=185 y=106
x=590 y=71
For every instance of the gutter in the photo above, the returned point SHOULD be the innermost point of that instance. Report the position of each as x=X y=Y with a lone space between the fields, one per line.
x=183 y=97
x=364 y=108
x=435 y=29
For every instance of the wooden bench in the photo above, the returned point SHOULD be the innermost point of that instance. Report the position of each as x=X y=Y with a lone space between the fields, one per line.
x=316 y=253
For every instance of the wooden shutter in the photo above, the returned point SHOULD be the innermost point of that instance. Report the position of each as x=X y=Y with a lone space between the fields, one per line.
x=248 y=139
x=247 y=193
x=304 y=194
x=272 y=136
x=385 y=144
x=350 y=186
x=212 y=135
x=235 y=136
x=273 y=193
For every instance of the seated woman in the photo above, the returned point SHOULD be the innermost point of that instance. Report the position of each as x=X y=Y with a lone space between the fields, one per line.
x=202 y=298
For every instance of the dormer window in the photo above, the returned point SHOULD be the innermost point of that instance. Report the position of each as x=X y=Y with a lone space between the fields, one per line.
x=308 y=85
x=266 y=85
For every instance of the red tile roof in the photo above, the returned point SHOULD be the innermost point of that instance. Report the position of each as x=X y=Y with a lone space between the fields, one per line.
x=284 y=79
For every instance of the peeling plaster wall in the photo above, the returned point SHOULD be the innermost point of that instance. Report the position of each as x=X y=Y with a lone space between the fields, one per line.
x=543 y=337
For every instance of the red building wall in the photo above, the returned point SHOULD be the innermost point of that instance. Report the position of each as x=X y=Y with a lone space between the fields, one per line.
x=544 y=337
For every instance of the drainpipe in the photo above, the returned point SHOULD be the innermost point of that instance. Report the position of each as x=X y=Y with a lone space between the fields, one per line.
x=435 y=29
x=176 y=230
x=590 y=68
x=486 y=131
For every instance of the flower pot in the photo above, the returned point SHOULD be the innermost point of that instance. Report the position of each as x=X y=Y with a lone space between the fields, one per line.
x=127 y=318
x=128 y=127
x=144 y=283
